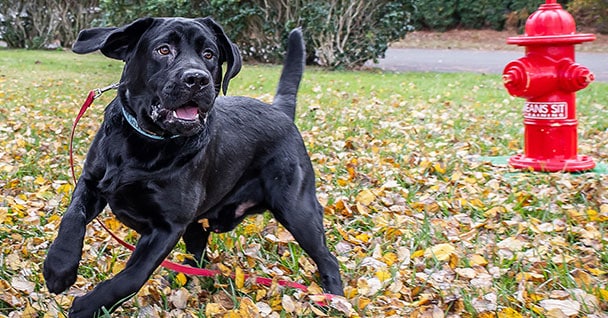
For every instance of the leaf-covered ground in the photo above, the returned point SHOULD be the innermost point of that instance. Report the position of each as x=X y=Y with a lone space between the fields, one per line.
x=422 y=221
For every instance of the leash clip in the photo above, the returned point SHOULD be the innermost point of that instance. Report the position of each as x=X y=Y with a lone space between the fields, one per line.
x=100 y=91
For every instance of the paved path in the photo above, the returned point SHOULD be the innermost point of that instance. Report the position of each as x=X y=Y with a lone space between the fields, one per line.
x=490 y=62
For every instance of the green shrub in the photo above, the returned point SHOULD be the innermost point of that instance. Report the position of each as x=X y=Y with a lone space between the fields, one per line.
x=435 y=14
x=519 y=11
x=339 y=33
x=44 y=23
x=348 y=33
x=479 y=14
x=590 y=14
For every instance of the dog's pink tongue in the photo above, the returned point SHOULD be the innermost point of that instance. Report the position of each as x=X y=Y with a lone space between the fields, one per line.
x=186 y=113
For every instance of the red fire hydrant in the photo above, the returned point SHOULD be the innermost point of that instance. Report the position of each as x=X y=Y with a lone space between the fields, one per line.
x=548 y=78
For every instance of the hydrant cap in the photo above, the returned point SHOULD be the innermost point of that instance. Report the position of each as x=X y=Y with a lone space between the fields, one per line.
x=550 y=19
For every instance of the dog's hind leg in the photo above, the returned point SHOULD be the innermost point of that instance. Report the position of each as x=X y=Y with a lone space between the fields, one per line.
x=196 y=238
x=305 y=223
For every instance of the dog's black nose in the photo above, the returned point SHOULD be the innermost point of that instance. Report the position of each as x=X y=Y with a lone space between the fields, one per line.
x=195 y=78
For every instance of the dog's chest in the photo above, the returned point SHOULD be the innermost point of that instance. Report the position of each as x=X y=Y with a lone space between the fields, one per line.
x=150 y=200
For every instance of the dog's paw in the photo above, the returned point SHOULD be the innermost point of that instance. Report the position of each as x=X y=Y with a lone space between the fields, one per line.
x=81 y=308
x=59 y=272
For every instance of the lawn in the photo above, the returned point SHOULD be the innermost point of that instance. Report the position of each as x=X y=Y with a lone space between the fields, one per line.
x=421 y=221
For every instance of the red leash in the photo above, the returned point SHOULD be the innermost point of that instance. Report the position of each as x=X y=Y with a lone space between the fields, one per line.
x=185 y=269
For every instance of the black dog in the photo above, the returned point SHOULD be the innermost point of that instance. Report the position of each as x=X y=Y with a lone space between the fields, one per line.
x=170 y=152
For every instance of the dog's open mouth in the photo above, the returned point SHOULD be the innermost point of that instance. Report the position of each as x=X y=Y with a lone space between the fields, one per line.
x=186 y=119
x=187 y=112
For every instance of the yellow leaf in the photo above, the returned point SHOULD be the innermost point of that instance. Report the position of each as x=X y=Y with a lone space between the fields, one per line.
x=112 y=224
x=119 y=266
x=251 y=228
x=441 y=252
x=3 y=214
x=417 y=254
x=239 y=277
x=495 y=211
x=232 y=314
x=364 y=237
x=39 y=180
x=212 y=309
x=453 y=260
x=181 y=279
x=534 y=297
x=477 y=259
x=342 y=182
x=314 y=288
x=362 y=302
x=29 y=312
x=532 y=277
x=65 y=188
x=224 y=269
x=486 y=314
x=247 y=308
x=390 y=258
x=365 y=197
x=582 y=278
x=603 y=294
x=594 y=216
x=439 y=168
x=383 y=275
x=596 y=271
x=260 y=294
x=51 y=218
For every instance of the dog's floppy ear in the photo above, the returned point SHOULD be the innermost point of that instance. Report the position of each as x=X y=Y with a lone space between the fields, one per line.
x=112 y=42
x=229 y=52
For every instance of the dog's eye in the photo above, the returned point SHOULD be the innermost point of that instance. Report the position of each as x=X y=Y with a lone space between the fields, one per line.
x=207 y=55
x=164 y=50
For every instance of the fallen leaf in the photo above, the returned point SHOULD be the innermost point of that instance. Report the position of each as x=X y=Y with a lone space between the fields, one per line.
x=21 y=284
x=365 y=197
x=179 y=298
x=288 y=304
x=567 y=307
x=239 y=277
x=441 y=252
x=342 y=305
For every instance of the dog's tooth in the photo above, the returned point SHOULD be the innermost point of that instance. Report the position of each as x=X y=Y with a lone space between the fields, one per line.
x=174 y=114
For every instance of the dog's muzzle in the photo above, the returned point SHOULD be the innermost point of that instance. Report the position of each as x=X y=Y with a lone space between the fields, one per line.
x=183 y=105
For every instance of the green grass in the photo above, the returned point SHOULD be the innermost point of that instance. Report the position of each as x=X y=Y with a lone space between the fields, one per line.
x=410 y=139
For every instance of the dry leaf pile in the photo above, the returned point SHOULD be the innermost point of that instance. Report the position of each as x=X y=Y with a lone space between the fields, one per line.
x=421 y=223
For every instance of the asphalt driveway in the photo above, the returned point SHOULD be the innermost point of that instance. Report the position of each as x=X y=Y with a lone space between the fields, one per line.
x=489 y=62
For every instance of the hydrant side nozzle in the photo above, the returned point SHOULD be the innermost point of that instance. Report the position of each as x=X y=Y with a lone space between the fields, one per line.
x=515 y=79
x=574 y=76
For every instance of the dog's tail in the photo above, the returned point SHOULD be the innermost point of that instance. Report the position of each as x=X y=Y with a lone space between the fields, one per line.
x=293 y=68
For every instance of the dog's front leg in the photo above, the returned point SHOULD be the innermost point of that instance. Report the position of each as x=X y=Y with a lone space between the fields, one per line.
x=150 y=251
x=61 y=263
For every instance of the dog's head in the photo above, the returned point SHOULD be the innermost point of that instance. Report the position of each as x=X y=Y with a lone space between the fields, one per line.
x=173 y=69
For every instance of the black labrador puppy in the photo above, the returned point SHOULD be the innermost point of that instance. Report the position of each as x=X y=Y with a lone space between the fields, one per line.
x=171 y=152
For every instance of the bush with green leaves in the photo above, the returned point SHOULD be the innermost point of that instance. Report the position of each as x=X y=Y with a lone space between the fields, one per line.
x=436 y=15
x=481 y=14
x=44 y=23
x=339 y=33
x=590 y=14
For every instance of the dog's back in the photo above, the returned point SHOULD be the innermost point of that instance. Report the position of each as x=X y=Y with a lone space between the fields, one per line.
x=293 y=68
